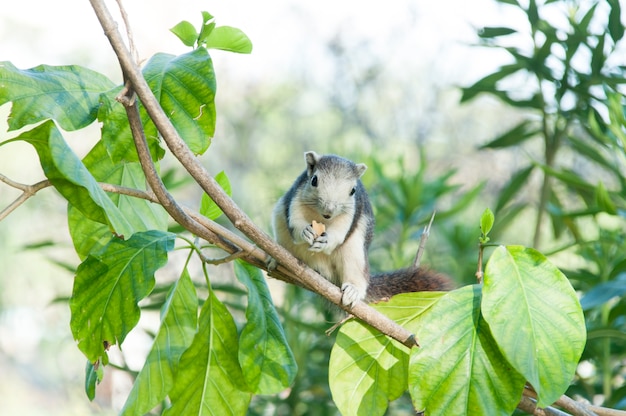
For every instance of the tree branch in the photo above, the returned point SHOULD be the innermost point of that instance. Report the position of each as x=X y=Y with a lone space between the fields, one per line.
x=27 y=192
x=304 y=275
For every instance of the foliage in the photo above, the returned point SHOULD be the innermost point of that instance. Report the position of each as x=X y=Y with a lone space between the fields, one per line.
x=467 y=343
x=575 y=109
x=212 y=355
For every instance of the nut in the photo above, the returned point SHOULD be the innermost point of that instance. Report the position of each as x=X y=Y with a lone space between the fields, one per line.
x=318 y=228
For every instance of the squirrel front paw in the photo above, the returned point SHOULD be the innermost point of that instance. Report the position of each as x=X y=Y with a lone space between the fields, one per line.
x=351 y=294
x=317 y=242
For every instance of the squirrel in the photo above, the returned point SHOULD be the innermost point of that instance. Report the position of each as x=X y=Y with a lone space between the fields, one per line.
x=326 y=220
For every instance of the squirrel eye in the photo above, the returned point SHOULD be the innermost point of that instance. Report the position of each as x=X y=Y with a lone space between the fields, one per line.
x=352 y=191
x=314 y=181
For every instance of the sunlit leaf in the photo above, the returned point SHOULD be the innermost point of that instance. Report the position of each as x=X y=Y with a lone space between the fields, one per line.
x=185 y=32
x=267 y=361
x=93 y=376
x=142 y=215
x=458 y=364
x=67 y=94
x=178 y=327
x=185 y=88
x=208 y=207
x=72 y=179
x=535 y=316
x=229 y=39
x=209 y=380
x=116 y=133
x=368 y=369
x=486 y=221
x=108 y=287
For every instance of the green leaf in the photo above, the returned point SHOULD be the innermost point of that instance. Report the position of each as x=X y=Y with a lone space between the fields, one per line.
x=603 y=200
x=108 y=287
x=67 y=94
x=229 y=39
x=185 y=88
x=209 y=380
x=492 y=32
x=178 y=327
x=515 y=136
x=267 y=361
x=488 y=83
x=616 y=27
x=116 y=133
x=597 y=57
x=512 y=187
x=458 y=370
x=602 y=293
x=90 y=236
x=532 y=13
x=368 y=369
x=535 y=316
x=72 y=179
x=185 y=32
x=486 y=221
x=87 y=236
x=93 y=376
x=143 y=215
x=208 y=207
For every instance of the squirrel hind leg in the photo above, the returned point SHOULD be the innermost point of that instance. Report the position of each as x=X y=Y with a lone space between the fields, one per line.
x=351 y=294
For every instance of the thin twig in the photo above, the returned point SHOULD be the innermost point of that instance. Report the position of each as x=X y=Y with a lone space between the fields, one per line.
x=423 y=239
x=333 y=328
x=27 y=192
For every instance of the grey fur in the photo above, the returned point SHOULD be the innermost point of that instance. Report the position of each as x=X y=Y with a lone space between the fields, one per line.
x=340 y=253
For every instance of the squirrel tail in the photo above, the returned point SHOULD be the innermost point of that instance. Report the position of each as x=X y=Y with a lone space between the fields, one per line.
x=384 y=285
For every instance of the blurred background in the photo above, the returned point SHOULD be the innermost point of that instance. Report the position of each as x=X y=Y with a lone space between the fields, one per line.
x=393 y=85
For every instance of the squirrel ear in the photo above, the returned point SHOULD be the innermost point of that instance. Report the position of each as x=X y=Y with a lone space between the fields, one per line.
x=361 y=168
x=311 y=159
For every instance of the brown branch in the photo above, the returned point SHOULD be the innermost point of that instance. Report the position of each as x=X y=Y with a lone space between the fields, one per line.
x=304 y=275
x=27 y=192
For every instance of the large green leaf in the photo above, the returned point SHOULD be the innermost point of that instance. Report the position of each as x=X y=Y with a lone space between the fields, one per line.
x=67 y=94
x=72 y=179
x=536 y=318
x=116 y=133
x=178 y=326
x=267 y=361
x=209 y=380
x=108 y=287
x=185 y=87
x=459 y=370
x=368 y=369
x=142 y=215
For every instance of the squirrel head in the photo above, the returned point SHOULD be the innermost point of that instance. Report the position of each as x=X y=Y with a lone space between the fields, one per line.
x=332 y=184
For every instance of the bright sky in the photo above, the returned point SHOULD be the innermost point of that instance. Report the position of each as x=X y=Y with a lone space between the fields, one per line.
x=285 y=34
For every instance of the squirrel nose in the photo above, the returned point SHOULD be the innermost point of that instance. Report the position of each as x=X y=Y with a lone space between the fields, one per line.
x=327 y=216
